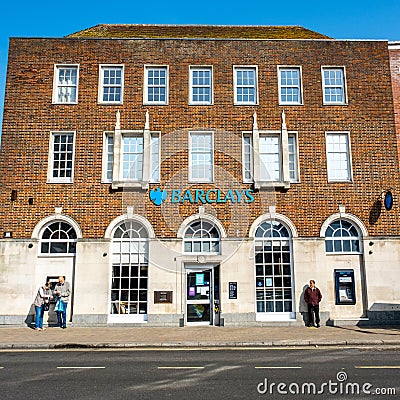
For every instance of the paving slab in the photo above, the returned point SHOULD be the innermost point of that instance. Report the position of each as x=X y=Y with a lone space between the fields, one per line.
x=188 y=336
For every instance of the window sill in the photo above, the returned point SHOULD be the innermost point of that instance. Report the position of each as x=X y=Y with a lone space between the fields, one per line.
x=271 y=184
x=56 y=255
x=61 y=182
x=282 y=103
x=129 y=184
x=343 y=253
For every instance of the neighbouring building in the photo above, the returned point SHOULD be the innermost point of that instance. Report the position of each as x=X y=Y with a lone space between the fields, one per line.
x=185 y=175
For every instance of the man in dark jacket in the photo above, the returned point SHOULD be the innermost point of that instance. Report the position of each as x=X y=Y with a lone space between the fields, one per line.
x=313 y=296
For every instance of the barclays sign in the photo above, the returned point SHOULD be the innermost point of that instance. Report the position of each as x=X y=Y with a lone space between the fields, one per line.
x=158 y=196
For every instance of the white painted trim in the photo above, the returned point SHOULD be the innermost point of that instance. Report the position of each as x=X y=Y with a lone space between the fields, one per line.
x=135 y=217
x=55 y=83
x=100 y=87
x=106 y=135
x=195 y=217
x=275 y=316
x=349 y=217
x=249 y=135
x=145 y=85
x=290 y=67
x=350 y=166
x=50 y=178
x=243 y=67
x=345 y=101
x=37 y=230
x=190 y=178
x=274 y=217
x=200 y=103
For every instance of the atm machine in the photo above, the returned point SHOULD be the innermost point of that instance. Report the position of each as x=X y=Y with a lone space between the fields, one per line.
x=345 y=286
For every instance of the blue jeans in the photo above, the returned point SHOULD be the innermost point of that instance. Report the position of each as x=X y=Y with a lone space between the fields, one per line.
x=62 y=316
x=39 y=317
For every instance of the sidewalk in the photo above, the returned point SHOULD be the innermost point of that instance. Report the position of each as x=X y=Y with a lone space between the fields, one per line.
x=206 y=336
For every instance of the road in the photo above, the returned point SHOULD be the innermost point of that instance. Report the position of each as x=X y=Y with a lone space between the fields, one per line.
x=323 y=373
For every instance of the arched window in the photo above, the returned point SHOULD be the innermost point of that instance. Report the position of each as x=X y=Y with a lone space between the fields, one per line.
x=201 y=237
x=58 y=238
x=273 y=264
x=342 y=237
x=129 y=269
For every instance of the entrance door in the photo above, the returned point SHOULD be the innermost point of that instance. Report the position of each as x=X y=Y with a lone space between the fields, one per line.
x=199 y=296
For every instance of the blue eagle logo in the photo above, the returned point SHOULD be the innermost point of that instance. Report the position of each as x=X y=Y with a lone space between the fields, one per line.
x=157 y=196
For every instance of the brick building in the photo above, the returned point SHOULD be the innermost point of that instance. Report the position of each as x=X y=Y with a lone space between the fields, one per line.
x=199 y=175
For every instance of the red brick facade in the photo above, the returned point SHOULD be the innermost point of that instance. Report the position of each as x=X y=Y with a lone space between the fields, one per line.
x=30 y=116
x=394 y=54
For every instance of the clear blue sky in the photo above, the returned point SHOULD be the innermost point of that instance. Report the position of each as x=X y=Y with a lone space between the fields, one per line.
x=378 y=19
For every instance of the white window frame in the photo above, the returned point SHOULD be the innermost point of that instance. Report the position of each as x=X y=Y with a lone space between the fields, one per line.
x=343 y=239
x=300 y=86
x=344 y=85
x=193 y=68
x=49 y=242
x=131 y=135
x=50 y=178
x=118 y=154
x=295 y=135
x=106 y=136
x=201 y=239
x=237 y=68
x=201 y=180
x=102 y=67
x=250 y=161
x=279 y=137
x=255 y=160
x=155 y=136
x=146 y=87
x=349 y=161
x=56 y=83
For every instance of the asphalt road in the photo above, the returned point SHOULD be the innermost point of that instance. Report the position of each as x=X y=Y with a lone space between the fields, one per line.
x=322 y=373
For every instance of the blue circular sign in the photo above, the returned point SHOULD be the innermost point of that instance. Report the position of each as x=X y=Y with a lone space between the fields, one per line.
x=388 y=202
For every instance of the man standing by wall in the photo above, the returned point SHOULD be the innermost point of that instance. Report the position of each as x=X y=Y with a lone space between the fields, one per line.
x=313 y=296
x=62 y=291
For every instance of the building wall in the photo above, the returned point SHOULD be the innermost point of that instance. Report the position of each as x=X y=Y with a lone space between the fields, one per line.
x=394 y=55
x=30 y=117
x=368 y=117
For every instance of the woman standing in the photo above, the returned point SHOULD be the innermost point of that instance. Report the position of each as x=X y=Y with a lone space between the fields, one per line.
x=41 y=300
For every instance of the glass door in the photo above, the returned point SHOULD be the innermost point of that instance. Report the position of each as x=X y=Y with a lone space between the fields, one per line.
x=199 y=296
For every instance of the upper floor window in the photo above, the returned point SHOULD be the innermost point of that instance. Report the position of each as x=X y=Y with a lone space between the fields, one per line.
x=293 y=158
x=333 y=85
x=342 y=237
x=245 y=85
x=58 y=238
x=65 y=88
x=108 y=156
x=338 y=156
x=201 y=156
x=156 y=85
x=111 y=84
x=132 y=161
x=247 y=155
x=201 y=85
x=133 y=157
x=290 y=85
x=201 y=237
x=61 y=157
x=270 y=157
